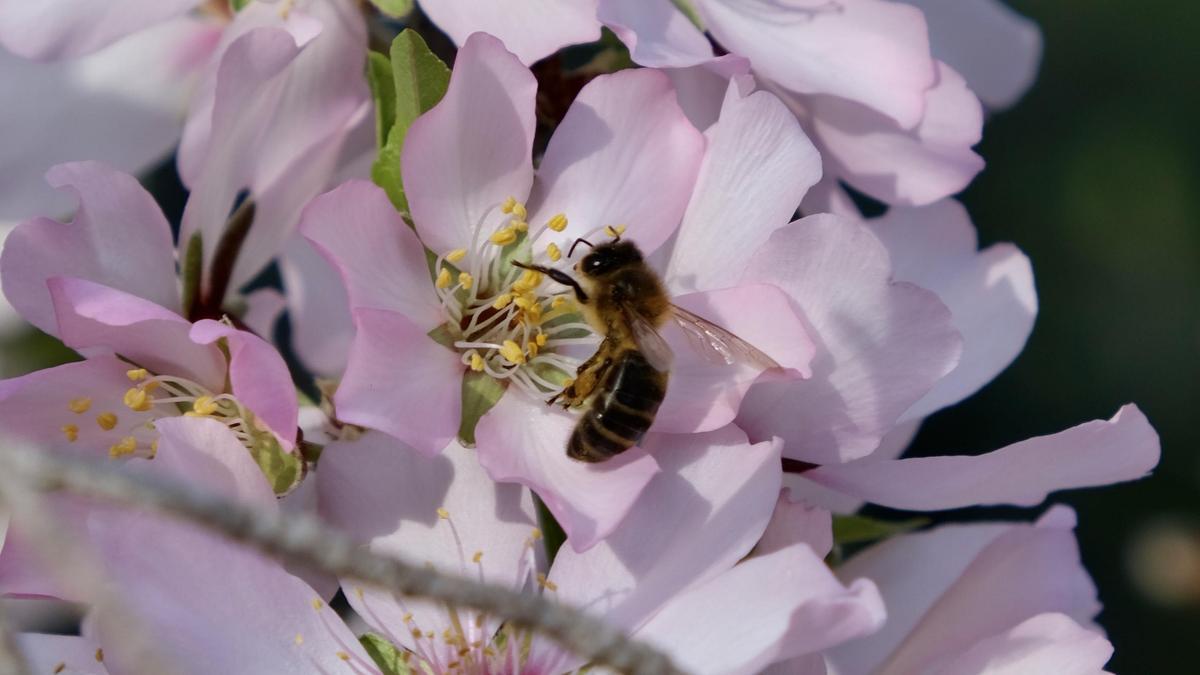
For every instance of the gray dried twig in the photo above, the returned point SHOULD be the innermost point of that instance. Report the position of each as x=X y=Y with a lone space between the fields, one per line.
x=304 y=540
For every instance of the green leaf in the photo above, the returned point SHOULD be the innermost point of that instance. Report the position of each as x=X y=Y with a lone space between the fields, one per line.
x=283 y=469
x=238 y=5
x=861 y=529
x=387 y=656
x=420 y=80
x=192 y=269
x=480 y=392
x=383 y=92
x=689 y=10
x=394 y=8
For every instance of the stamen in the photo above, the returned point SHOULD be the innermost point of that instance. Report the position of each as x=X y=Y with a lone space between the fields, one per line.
x=299 y=639
x=443 y=278
x=519 y=225
x=204 y=405
x=107 y=420
x=554 y=252
x=71 y=431
x=466 y=280
x=614 y=231
x=123 y=447
x=558 y=223
x=137 y=400
x=456 y=255
x=508 y=205
x=80 y=405
x=476 y=362
x=443 y=513
x=137 y=374
x=512 y=353
x=502 y=301
x=504 y=236
x=558 y=301
x=477 y=557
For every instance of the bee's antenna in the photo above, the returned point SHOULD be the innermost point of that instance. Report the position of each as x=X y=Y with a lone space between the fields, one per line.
x=579 y=241
x=559 y=276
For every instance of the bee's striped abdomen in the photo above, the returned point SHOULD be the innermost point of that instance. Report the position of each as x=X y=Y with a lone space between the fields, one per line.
x=622 y=410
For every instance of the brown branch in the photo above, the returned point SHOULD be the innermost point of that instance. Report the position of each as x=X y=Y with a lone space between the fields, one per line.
x=303 y=540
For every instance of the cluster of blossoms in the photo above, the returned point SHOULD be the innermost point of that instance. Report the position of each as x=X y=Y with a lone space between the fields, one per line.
x=726 y=155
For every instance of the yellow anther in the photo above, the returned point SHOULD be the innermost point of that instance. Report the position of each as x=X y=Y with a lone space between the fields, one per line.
x=476 y=363
x=546 y=583
x=153 y=449
x=504 y=236
x=317 y=604
x=535 y=312
x=456 y=255
x=519 y=225
x=529 y=280
x=71 y=432
x=508 y=205
x=502 y=301
x=465 y=279
x=518 y=210
x=358 y=591
x=80 y=405
x=532 y=348
x=558 y=301
x=416 y=633
x=511 y=351
x=123 y=447
x=554 y=252
x=536 y=534
x=204 y=405
x=407 y=617
x=99 y=655
x=443 y=513
x=137 y=400
x=541 y=339
x=150 y=386
x=107 y=420
x=343 y=656
x=299 y=639
x=477 y=557
x=614 y=231
x=429 y=634
x=62 y=665
x=558 y=222
x=443 y=278
x=137 y=374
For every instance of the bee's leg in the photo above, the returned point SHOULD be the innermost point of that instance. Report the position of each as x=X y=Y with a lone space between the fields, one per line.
x=587 y=376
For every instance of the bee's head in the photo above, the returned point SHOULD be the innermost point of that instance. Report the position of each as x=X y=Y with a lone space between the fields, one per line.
x=608 y=257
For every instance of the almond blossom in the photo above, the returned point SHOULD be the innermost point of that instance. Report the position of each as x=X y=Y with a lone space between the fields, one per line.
x=673 y=573
x=471 y=210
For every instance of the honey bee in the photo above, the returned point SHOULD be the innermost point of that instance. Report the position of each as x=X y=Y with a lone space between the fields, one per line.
x=625 y=381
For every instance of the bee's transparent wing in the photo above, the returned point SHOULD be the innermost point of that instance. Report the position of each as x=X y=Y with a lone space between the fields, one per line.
x=652 y=345
x=718 y=345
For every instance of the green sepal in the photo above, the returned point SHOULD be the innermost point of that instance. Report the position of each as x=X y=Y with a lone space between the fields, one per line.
x=283 y=469
x=238 y=5
x=861 y=529
x=386 y=655
x=552 y=533
x=443 y=335
x=191 y=270
x=420 y=80
x=383 y=93
x=689 y=10
x=397 y=9
x=480 y=392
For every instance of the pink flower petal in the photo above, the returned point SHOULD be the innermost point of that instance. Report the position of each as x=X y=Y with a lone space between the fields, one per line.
x=990 y=293
x=98 y=319
x=525 y=441
x=132 y=122
x=53 y=29
x=757 y=167
x=625 y=154
x=399 y=381
x=696 y=519
x=379 y=258
x=472 y=150
x=36 y=407
x=264 y=308
x=658 y=35
x=318 y=308
x=703 y=396
x=901 y=165
x=391 y=497
x=1046 y=643
x=209 y=456
x=258 y=377
x=795 y=522
x=894 y=443
x=119 y=238
x=996 y=49
x=881 y=345
x=44 y=653
x=766 y=609
x=1096 y=453
x=701 y=90
x=1022 y=572
x=809 y=664
x=869 y=51
x=531 y=29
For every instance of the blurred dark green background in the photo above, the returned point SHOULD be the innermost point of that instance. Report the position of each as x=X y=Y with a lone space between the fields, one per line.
x=1095 y=175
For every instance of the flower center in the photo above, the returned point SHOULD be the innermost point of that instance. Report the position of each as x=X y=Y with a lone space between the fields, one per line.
x=501 y=318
